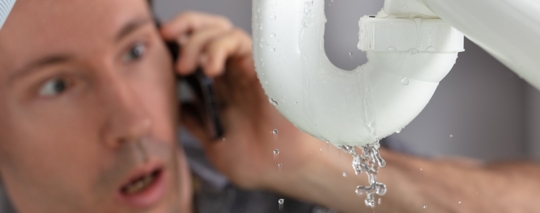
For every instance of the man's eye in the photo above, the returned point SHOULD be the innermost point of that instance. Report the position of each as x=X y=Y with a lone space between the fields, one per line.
x=53 y=87
x=134 y=53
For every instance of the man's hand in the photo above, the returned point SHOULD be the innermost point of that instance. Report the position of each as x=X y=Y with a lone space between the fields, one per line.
x=246 y=153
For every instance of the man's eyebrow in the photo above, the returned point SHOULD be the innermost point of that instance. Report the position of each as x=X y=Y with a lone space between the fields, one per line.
x=63 y=58
x=47 y=61
x=132 y=26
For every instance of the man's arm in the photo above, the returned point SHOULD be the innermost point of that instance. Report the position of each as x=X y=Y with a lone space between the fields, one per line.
x=418 y=185
x=311 y=171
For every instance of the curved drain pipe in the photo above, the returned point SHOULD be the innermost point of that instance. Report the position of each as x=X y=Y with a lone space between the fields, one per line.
x=407 y=60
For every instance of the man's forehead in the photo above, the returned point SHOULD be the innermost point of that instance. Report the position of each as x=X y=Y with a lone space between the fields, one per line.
x=38 y=26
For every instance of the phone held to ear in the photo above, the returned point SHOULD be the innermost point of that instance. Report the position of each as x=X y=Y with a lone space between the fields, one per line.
x=202 y=91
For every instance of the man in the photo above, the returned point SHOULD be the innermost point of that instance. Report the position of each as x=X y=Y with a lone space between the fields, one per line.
x=89 y=119
x=89 y=111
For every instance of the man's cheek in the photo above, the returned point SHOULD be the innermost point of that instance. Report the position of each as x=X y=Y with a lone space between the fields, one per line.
x=161 y=108
x=159 y=92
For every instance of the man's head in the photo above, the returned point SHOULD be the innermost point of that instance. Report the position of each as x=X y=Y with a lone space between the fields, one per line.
x=87 y=109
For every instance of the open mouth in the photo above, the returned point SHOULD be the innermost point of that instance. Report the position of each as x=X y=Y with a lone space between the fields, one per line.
x=145 y=189
x=141 y=183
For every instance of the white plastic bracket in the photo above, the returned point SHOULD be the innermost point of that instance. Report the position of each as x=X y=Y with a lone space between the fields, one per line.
x=406 y=35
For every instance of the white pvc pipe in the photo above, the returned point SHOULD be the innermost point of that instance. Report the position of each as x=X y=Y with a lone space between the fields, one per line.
x=407 y=60
x=508 y=29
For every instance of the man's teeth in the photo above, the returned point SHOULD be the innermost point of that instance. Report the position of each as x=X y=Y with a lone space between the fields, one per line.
x=139 y=185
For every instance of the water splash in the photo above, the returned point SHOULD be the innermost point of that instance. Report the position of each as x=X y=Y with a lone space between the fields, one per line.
x=369 y=162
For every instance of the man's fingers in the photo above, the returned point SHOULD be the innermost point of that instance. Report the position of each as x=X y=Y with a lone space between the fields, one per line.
x=188 y=22
x=191 y=51
x=234 y=44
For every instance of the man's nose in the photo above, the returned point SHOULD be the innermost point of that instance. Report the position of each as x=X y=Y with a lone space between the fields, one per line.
x=127 y=119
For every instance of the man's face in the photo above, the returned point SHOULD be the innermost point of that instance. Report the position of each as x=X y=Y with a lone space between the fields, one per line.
x=87 y=109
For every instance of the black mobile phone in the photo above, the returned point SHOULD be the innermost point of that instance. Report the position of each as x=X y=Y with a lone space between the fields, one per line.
x=202 y=88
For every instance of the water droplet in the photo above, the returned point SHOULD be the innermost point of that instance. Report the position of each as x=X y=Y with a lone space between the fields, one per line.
x=379 y=201
x=276 y=151
x=392 y=49
x=320 y=149
x=281 y=202
x=398 y=131
x=279 y=165
x=223 y=139
x=405 y=81
x=413 y=51
x=275 y=131
x=273 y=35
x=273 y=102
x=351 y=54
x=345 y=174
x=459 y=202
x=273 y=49
x=431 y=49
x=273 y=17
x=370 y=203
x=451 y=136
x=425 y=206
x=381 y=189
x=421 y=169
x=261 y=44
